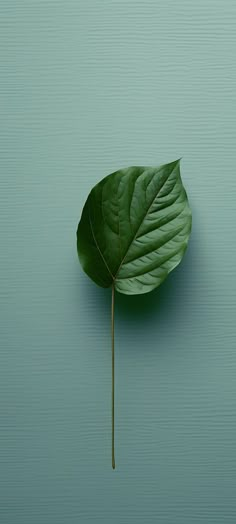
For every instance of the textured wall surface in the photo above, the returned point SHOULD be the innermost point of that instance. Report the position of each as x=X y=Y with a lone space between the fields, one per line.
x=88 y=87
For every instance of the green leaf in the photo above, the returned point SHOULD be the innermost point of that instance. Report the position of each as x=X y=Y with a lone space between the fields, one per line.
x=133 y=231
x=135 y=228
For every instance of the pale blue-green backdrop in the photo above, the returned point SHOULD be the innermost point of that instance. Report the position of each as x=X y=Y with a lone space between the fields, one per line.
x=87 y=87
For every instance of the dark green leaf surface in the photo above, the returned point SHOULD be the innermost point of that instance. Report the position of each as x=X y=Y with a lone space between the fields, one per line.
x=134 y=228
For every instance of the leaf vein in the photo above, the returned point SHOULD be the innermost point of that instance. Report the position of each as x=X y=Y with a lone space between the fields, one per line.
x=134 y=237
x=97 y=245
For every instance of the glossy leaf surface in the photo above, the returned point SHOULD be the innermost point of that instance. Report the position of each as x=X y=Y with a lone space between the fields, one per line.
x=135 y=228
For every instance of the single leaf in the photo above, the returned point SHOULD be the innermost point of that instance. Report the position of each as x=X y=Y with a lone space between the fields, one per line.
x=133 y=231
x=135 y=228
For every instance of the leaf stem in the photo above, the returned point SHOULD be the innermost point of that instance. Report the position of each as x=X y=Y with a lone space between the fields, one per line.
x=113 y=374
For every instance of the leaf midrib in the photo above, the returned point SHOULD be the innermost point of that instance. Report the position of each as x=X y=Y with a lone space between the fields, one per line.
x=144 y=217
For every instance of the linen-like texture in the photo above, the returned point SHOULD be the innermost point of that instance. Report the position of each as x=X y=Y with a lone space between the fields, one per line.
x=88 y=87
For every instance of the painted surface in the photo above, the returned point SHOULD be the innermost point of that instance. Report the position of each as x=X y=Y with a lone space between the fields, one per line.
x=86 y=88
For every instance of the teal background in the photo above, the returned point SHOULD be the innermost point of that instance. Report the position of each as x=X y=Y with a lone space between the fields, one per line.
x=88 y=87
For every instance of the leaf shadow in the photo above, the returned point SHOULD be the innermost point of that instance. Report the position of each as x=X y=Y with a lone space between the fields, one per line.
x=161 y=300
x=159 y=313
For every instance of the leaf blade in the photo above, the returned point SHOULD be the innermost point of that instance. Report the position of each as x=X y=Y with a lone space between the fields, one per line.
x=141 y=223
